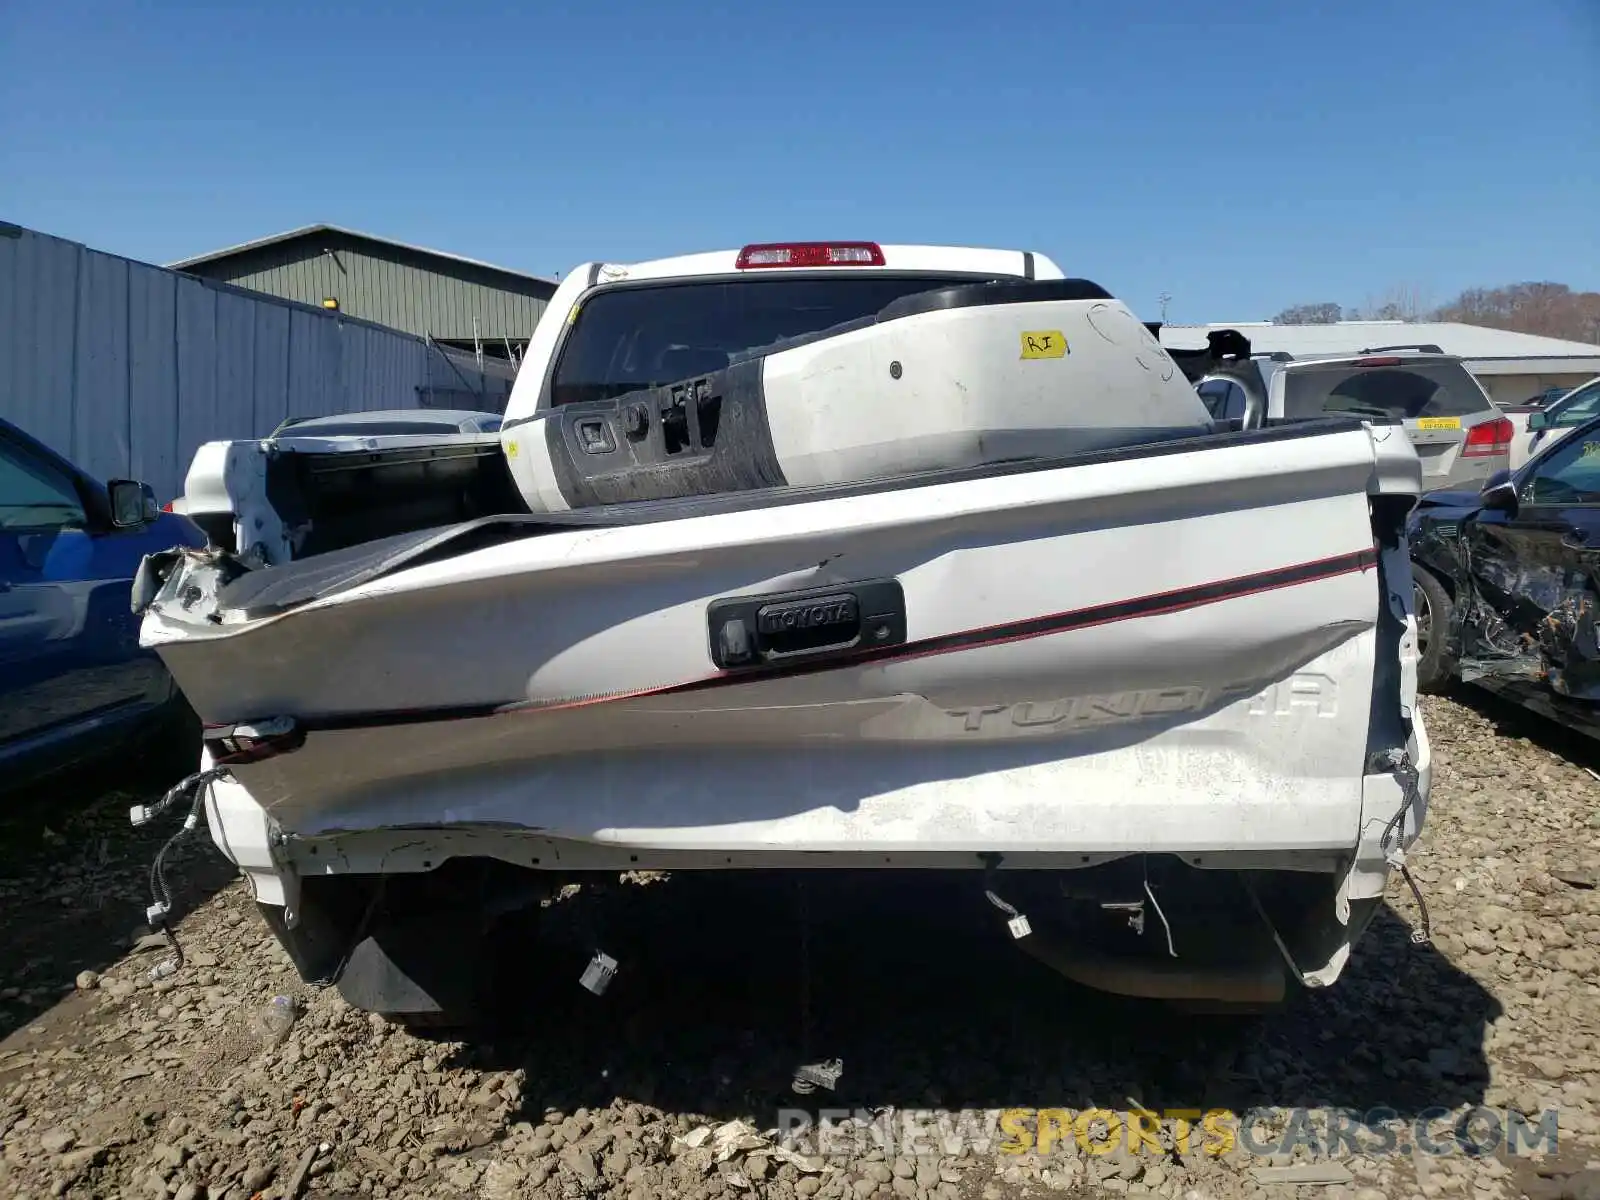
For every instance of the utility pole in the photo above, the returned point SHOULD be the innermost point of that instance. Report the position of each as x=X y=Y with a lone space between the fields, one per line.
x=1165 y=298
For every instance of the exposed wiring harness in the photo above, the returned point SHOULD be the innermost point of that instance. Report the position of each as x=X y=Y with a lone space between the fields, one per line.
x=194 y=788
x=1406 y=775
x=1172 y=951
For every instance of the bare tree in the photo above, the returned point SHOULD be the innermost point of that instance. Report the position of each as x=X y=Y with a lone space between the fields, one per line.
x=1548 y=309
x=1326 y=313
x=1399 y=302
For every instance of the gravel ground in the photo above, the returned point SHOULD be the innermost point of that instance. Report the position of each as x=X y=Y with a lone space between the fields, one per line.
x=672 y=1082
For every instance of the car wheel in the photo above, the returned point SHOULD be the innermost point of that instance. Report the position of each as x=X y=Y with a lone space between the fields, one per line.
x=1433 y=608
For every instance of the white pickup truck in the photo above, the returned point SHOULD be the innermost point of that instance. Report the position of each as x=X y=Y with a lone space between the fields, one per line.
x=810 y=557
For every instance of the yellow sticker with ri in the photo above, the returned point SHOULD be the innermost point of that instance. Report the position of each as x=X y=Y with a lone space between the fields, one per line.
x=1439 y=423
x=511 y=448
x=1044 y=343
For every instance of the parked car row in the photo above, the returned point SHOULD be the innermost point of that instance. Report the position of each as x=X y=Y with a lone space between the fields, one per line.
x=1505 y=543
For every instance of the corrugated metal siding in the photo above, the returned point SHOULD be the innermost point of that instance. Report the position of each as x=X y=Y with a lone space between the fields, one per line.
x=127 y=368
x=437 y=300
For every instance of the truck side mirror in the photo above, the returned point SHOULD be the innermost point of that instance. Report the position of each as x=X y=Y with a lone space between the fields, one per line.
x=1538 y=421
x=133 y=504
x=1499 y=493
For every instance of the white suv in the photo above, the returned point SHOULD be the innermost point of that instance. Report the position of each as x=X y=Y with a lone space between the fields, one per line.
x=1548 y=426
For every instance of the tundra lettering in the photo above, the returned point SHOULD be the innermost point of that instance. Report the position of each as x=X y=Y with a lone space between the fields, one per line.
x=1303 y=694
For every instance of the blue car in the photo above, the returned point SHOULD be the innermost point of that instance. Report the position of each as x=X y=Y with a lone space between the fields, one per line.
x=74 y=683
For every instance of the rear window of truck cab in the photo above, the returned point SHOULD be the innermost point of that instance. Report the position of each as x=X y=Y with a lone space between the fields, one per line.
x=646 y=335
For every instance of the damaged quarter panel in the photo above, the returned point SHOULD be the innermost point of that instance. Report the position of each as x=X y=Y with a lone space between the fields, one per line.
x=1434 y=535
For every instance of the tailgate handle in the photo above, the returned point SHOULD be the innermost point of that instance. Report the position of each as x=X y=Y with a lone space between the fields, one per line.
x=748 y=632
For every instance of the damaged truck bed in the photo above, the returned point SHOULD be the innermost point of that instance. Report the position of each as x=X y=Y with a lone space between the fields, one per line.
x=894 y=558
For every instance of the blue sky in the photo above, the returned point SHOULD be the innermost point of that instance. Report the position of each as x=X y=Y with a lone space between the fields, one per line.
x=1239 y=156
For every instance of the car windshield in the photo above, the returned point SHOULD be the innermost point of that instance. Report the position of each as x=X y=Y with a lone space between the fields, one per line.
x=1570 y=474
x=1401 y=392
x=637 y=336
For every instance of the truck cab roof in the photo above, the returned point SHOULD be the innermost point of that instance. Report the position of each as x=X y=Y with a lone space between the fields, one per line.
x=791 y=257
x=806 y=267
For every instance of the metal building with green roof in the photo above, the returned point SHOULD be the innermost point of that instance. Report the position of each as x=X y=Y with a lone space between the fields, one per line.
x=456 y=301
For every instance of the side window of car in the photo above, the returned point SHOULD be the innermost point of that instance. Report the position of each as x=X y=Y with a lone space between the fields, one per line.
x=1569 y=476
x=1214 y=394
x=1223 y=400
x=34 y=494
x=1579 y=407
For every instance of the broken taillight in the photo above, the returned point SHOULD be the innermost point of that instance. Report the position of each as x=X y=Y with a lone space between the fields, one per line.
x=810 y=254
x=1489 y=439
x=231 y=745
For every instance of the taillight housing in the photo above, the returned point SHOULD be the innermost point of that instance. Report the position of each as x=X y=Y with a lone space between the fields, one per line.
x=1489 y=439
x=810 y=254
